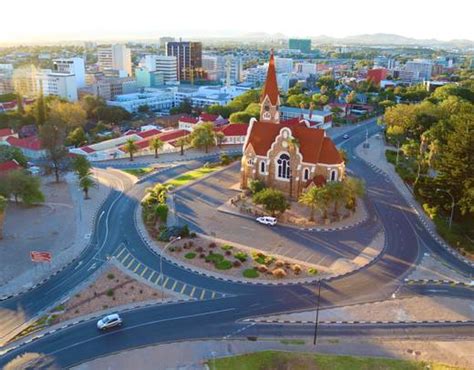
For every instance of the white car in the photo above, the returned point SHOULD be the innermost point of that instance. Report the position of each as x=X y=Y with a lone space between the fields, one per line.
x=267 y=220
x=346 y=136
x=109 y=321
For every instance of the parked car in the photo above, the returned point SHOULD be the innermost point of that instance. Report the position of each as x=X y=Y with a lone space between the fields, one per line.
x=109 y=321
x=266 y=220
x=346 y=136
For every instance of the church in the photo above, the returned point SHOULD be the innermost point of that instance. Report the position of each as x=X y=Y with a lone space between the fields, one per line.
x=288 y=155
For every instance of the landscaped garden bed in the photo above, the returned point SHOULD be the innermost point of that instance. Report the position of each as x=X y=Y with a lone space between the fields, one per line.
x=237 y=261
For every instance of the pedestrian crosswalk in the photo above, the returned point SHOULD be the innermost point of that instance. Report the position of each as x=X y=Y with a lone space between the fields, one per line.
x=132 y=264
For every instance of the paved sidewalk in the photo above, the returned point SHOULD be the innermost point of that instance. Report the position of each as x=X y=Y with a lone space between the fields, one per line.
x=375 y=157
x=200 y=354
x=66 y=243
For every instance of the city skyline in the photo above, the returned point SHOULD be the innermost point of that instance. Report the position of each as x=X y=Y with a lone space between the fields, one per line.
x=42 y=24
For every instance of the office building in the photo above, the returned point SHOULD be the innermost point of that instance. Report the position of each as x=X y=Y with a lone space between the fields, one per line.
x=303 y=45
x=115 y=57
x=73 y=66
x=146 y=78
x=156 y=100
x=305 y=69
x=25 y=81
x=420 y=68
x=62 y=85
x=189 y=59
x=6 y=78
x=164 y=40
x=166 y=65
x=283 y=65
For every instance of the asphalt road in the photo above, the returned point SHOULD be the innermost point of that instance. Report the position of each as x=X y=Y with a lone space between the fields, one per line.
x=406 y=241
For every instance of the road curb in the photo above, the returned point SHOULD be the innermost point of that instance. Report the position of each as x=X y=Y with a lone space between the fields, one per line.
x=361 y=322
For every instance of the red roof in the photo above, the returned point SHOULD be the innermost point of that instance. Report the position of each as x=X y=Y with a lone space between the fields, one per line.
x=87 y=149
x=149 y=133
x=293 y=122
x=9 y=166
x=6 y=132
x=312 y=143
x=318 y=180
x=31 y=143
x=271 y=87
x=234 y=129
x=207 y=117
x=188 y=119
x=164 y=136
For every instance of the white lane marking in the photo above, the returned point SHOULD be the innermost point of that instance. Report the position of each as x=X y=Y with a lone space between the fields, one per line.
x=92 y=267
x=124 y=328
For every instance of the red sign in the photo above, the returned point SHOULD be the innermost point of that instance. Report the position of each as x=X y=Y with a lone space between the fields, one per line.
x=40 y=256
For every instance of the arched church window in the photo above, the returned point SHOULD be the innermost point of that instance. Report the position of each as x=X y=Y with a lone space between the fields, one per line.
x=306 y=174
x=283 y=164
x=333 y=175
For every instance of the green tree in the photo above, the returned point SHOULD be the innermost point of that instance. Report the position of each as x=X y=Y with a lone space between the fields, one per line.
x=19 y=104
x=131 y=148
x=8 y=153
x=274 y=201
x=220 y=110
x=85 y=183
x=52 y=135
x=161 y=212
x=81 y=166
x=25 y=187
x=240 y=117
x=77 y=137
x=182 y=142
x=185 y=107
x=40 y=113
x=337 y=194
x=72 y=115
x=156 y=144
x=144 y=108
x=315 y=198
x=354 y=188
x=203 y=136
x=256 y=186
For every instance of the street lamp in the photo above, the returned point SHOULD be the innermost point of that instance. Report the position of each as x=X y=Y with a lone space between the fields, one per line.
x=172 y=240
x=317 y=313
x=453 y=203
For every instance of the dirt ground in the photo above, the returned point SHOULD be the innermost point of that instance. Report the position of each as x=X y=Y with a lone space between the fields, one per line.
x=202 y=247
x=112 y=288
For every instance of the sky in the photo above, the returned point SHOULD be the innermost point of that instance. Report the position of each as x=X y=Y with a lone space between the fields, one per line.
x=58 y=20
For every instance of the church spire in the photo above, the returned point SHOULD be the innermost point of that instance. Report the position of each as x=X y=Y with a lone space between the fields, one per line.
x=270 y=98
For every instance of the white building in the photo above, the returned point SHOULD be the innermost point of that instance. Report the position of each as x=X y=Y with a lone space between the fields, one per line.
x=72 y=66
x=155 y=99
x=221 y=68
x=62 y=85
x=6 y=78
x=420 y=68
x=115 y=57
x=256 y=76
x=305 y=69
x=166 y=65
x=283 y=65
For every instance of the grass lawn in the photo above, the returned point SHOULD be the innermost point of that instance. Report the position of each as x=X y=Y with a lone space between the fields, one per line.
x=305 y=361
x=138 y=172
x=192 y=176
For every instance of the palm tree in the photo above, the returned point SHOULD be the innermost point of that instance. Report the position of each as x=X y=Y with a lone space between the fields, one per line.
x=86 y=182
x=336 y=194
x=156 y=144
x=131 y=148
x=3 y=207
x=314 y=198
x=158 y=193
x=354 y=188
x=203 y=136
x=182 y=142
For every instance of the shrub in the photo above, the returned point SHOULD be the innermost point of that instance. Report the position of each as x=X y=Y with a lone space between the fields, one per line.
x=214 y=257
x=237 y=263
x=269 y=260
x=190 y=243
x=161 y=211
x=228 y=253
x=185 y=245
x=262 y=268
x=279 y=273
x=296 y=269
x=223 y=265
x=430 y=211
x=241 y=256
x=199 y=249
x=202 y=255
x=110 y=292
x=225 y=159
x=192 y=235
x=279 y=263
x=227 y=247
x=312 y=271
x=190 y=255
x=212 y=245
x=110 y=276
x=250 y=273
x=171 y=249
x=259 y=257
x=178 y=249
x=256 y=186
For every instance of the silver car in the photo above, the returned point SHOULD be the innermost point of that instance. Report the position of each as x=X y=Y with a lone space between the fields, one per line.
x=109 y=321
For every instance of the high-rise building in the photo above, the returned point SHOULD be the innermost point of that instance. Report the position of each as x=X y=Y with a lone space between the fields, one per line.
x=74 y=66
x=189 y=58
x=305 y=69
x=146 y=78
x=62 y=85
x=220 y=67
x=166 y=65
x=420 y=68
x=25 y=81
x=303 y=45
x=283 y=65
x=6 y=78
x=164 y=40
x=115 y=57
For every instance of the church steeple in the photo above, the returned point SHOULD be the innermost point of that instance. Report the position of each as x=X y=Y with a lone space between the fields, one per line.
x=270 y=99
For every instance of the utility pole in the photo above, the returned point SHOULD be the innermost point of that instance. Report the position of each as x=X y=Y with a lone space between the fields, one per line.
x=317 y=314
